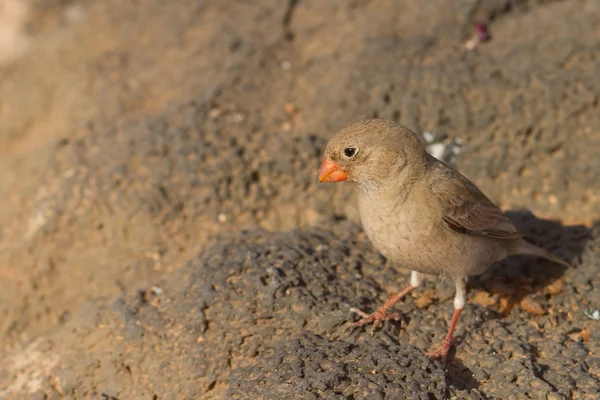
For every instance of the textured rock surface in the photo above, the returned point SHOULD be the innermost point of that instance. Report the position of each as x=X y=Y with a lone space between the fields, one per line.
x=269 y=308
x=310 y=367
x=137 y=138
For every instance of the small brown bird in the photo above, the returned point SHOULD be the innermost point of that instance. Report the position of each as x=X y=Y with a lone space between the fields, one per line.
x=419 y=212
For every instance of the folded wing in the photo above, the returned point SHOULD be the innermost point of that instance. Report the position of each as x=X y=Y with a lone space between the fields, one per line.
x=466 y=209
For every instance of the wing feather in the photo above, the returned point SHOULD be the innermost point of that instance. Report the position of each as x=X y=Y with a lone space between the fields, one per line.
x=466 y=209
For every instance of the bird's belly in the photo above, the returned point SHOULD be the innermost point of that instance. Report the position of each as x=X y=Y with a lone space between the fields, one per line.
x=401 y=240
x=428 y=249
x=412 y=250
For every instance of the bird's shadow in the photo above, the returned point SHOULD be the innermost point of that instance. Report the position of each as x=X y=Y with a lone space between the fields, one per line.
x=517 y=278
x=460 y=375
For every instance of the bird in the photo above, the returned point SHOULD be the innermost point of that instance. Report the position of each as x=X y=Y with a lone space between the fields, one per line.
x=420 y=213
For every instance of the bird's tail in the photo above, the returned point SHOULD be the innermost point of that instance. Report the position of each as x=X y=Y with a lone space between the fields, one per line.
x=526 y=247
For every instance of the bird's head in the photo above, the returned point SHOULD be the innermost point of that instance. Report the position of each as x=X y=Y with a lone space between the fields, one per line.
x=370 y=152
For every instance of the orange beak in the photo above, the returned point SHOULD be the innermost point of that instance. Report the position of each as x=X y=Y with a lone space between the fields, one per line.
x=331 y=172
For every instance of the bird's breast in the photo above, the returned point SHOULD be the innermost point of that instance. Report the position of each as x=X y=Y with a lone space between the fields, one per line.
x=402 y=232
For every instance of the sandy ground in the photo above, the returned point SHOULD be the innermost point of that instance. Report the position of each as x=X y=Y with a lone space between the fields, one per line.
x=163 y=236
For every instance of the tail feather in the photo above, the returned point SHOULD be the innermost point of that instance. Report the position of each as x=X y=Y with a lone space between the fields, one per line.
x=528 y=248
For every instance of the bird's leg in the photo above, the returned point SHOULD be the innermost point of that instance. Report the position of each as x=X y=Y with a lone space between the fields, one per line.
x=381 y=314
x=459 y=303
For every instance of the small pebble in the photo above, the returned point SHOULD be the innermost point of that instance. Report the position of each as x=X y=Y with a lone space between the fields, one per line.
x=437 y=150
x=593 y=314
x=214 y=113
x=236 y=118
x=321 y=247
x=286 y=127
x=286 y=65
x=156 y=290
x=429 y=137
x=290 y=109
x=481 y=35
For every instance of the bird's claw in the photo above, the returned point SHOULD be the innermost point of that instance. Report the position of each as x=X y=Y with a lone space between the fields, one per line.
x=441 y=353
x=376 y=318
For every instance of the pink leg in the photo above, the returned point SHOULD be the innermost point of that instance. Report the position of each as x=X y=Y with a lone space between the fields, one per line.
x=381 y=314
x=442 y=351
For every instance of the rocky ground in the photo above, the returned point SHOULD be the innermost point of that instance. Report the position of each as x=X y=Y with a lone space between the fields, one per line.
x=163 y=236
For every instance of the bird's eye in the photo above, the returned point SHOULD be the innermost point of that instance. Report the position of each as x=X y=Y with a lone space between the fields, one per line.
x=350 y=151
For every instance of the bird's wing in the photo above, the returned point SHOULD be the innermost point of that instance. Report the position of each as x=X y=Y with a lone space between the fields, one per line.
x=466 y=210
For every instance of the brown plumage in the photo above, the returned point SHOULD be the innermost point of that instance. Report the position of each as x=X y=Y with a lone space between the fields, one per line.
x=419 y=212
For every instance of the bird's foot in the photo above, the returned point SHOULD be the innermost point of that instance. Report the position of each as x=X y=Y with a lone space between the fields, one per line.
x=441 y=353
x=376 y=318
